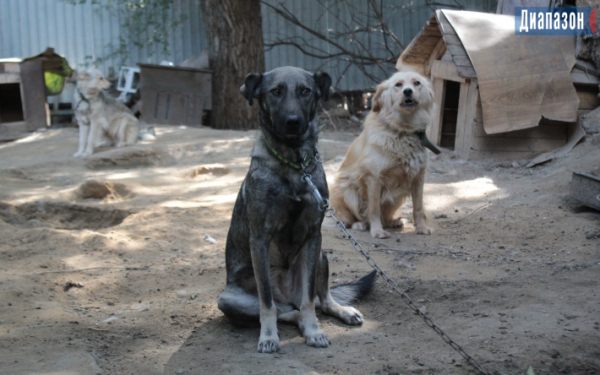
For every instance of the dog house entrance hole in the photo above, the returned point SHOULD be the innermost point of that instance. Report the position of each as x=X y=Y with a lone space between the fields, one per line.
x=11 y=106
x=450 y=114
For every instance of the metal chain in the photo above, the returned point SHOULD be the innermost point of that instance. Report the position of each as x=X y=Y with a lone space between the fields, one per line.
x=330 y=212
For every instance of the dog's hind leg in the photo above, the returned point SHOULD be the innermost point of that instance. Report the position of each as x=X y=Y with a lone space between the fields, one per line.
x=132 y=132
x=388 y=213
x=122 y=134
x=241 y=307
x=329 y=305
x=346 y=203
x=374 y=198
x=418 y=211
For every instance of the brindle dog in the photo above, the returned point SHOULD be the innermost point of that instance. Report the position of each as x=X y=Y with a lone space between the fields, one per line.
x=276 y=269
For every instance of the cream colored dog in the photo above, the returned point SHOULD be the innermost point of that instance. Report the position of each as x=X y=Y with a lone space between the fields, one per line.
x=387 y=162
x=102 y=119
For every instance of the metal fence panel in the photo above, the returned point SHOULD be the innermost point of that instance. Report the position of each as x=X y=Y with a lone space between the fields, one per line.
x=83 y=32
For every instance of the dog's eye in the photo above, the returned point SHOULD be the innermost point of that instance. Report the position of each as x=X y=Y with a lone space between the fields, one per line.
x=276 y=92
x=399 y=84
x=305 y=92
x=417 y=83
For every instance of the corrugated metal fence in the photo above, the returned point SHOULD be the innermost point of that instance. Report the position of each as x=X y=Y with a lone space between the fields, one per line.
x=83 y=33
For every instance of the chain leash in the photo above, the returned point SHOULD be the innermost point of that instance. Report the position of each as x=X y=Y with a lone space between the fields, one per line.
x=323 y=205
x=330 y=212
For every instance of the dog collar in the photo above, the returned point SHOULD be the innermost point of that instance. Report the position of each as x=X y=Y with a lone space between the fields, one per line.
x=299 y=166
x=82 y=99
x=427 y=143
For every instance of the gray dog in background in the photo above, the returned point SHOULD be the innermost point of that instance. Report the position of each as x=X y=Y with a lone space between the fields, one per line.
x=276 y=270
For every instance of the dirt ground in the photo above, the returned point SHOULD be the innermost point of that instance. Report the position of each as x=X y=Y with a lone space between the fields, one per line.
x=115 y=276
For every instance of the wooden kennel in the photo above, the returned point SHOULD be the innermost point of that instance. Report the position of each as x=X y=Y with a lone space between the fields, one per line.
x=175 y=95
x=531 y=108
x=23 y=105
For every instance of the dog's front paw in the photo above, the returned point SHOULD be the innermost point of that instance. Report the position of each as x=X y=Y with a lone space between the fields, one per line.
x=359 y=225
x=351 y=316
x=380 y=233
x=270 y=345
x=423 y=229
x=78 y=154
x=318 y=339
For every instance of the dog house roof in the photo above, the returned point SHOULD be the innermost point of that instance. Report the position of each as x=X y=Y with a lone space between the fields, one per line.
x=521 y=78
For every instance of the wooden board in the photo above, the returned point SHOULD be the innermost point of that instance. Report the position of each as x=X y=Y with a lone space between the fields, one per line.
x=588 y=98
x=578 y=76
x=462 y=61
x=445 y=26
x=520 y=79
x=438 y=51
x=434 y=132
x=467 y=107
x=532 y=145
x=503 y=155
x=544 y=131
x=33 y=95
x=10 y=78
x=452 y=40
x=466 y=71
x=456 y=48
x=422 y=46
x=461 y=119
x=13 y=127
x=445 y=70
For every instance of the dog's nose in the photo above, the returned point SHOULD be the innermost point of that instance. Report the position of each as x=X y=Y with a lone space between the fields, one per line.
x=293 y=120
x=408 y=92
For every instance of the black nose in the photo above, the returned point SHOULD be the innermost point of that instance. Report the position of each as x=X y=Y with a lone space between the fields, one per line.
x=408 y=92
x=293 y=120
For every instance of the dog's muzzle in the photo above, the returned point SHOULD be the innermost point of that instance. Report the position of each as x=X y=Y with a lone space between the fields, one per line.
x=295 y=125
x=409 y=104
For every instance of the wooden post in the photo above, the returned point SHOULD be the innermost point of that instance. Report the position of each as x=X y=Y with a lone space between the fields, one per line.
x=467 y=106
x=434 y=132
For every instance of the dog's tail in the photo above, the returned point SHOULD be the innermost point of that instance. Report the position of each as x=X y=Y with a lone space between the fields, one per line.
x=345 y=294
x=148 y=135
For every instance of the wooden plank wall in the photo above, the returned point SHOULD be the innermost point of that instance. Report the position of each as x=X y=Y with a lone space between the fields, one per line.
x=521 y=144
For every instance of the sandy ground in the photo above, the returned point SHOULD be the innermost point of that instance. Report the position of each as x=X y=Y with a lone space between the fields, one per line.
x=512 y=272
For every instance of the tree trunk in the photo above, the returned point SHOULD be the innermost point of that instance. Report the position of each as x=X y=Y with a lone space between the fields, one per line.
x=234 y=29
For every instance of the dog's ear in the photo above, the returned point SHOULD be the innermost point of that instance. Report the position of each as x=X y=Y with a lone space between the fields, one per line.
x=251 y=87
x=323 y=82
x=83 y=76
x=376 y=102
x=430 y=90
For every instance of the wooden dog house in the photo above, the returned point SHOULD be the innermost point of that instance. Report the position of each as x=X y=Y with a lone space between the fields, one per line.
x=174 y=95
x=497 y=95
x=23 y=105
